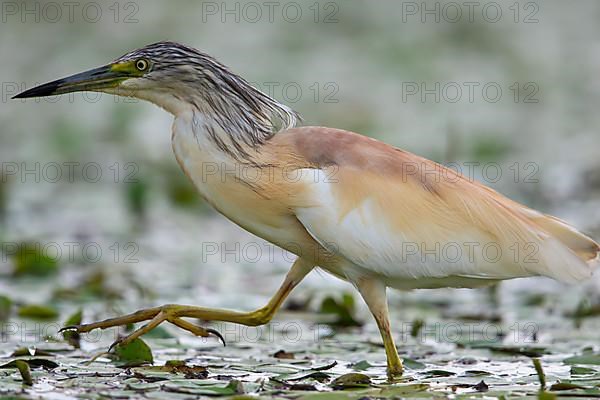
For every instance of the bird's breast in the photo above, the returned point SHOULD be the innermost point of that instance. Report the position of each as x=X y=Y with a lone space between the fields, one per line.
x=249 y=194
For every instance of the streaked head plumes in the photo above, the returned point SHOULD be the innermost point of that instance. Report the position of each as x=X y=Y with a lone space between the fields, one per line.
x=179 y=79
x=189 y=76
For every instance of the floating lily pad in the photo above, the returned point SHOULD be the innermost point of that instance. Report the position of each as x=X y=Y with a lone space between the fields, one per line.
x=38 y=312
x=30 y=258
x=73 y=337
x=351 y=380
x=343 y=309
x=5 y=307
x=588 y=358
x=133 y=354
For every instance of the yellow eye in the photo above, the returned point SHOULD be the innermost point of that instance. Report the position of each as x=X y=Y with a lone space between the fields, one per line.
x=141 y=65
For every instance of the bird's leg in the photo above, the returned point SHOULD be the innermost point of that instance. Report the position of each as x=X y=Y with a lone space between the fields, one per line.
x=174 y=313
x=373 y=292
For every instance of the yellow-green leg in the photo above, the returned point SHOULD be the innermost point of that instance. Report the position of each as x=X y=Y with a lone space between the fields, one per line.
x=174 y=313
x=374 y=293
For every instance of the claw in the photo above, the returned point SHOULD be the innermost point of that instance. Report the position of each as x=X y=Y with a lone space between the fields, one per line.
x=114 y=344
x=69 y=328
x=217 y=334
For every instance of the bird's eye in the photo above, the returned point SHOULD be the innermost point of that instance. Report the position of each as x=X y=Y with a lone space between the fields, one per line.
x=141 y=65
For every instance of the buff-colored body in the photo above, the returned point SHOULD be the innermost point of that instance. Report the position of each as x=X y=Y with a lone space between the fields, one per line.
x=357 y=207
x=367 y=212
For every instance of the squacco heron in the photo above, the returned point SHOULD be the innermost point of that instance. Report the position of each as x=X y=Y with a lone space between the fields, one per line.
x=362 y=210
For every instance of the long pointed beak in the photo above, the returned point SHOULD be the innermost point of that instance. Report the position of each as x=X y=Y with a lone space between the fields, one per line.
x=92 y=80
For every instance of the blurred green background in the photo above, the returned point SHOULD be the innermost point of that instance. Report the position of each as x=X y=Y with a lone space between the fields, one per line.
x=347 y=64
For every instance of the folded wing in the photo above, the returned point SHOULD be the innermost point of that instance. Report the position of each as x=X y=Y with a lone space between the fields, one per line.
x=392 y=213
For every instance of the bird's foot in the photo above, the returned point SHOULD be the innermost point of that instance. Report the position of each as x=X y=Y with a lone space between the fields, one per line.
x=157 y=315
x=394 y=372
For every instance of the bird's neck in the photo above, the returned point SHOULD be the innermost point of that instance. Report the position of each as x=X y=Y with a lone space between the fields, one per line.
x=197 y=136
x=235 y=126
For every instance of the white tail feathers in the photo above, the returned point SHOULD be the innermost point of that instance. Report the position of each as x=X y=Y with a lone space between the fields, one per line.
x=570 y=256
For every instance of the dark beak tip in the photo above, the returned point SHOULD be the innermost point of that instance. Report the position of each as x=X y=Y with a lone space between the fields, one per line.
x=75 y=83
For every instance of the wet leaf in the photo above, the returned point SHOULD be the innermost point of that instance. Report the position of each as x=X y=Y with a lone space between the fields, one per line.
x=73 y=337
x=133 y=354
x=342 y=309
x=585 y=310
x=25 y=372
x=403 y=389
x=27 y=351
x=412 y=364
x=565 y=386
x=416 y=327
x=351 y=380
x=32 y=362
x=5 y=308
x=315 y=375
x=585 y=358
x=38 y=312
x=172 y=367
x=546 y=396
x=361 y=365
x=181 y=191
x=439 y=373
x=137 y=196
x=207 y=388
x=528 y=351
x=29 y=258
x=473 y=372
x=90 y=287
x=582 y=371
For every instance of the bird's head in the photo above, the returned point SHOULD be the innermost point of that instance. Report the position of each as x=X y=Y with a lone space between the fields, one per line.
x=178 y=78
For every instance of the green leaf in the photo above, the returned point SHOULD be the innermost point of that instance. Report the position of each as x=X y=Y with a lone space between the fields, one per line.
x=133 y=354
x=416 y=327
x=582 y=371
x=412 y=364
x=585 y=358
x=38 y=312
x=343 y=310
x=361 y=365
x=403 y=389
x=565 y=386
x=172 y=367
x=73 y=337
x=25 y=372
x=26 y=352
x=439 y=373
x=351 y=380
x=137 y=196
x=208 y=387
x=33 y=362
x=5 y=308
x=31 y=259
